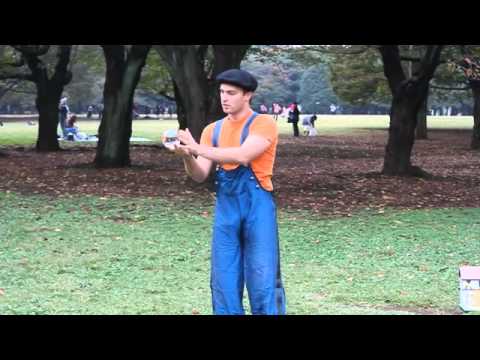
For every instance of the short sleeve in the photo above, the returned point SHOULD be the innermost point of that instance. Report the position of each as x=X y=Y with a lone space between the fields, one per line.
x=266 y=127
x=207 y=135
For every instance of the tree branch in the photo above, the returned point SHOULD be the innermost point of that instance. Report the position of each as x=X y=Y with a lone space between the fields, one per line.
x=32 y=50
x=336 y=49
x=392 y=66
x=20 y=76
x=23 y=92
x=62 y=74
x=450 y=88
x=410 y=58
x=430 y=61
x=8 y=87
x=138 y=52
x=17 y=63
x=165 y=95
x=202 y=53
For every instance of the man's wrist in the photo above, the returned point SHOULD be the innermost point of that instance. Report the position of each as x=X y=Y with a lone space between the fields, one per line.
x=197 y=150
x=188 y=156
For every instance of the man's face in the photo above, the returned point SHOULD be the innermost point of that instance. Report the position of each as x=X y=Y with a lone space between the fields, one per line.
x=233 y=98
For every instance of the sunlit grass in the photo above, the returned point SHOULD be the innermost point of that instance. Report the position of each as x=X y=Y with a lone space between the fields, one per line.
x=19 y=133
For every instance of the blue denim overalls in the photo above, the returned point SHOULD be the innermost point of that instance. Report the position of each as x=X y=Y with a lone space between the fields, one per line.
x=245 y=247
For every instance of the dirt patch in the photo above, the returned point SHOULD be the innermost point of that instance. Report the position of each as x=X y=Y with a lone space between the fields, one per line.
x=329 y=175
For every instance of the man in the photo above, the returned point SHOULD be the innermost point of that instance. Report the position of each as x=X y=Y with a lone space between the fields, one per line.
x=245 y=249
x=89 y=112
x=63 y=114
x=294 y=118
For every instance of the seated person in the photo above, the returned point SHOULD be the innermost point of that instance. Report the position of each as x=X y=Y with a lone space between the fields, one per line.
x=72 y=130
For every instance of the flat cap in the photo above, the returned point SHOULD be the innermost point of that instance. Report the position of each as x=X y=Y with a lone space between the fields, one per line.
x=240 y=78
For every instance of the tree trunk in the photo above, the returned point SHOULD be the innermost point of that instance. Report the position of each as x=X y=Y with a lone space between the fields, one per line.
x=196 y=92
x=403 y=121
x=194 y=99
x=181 y=115
x=186 y=66
x=422 y=131
x=408 y=96
x=48 y=98
x=475 y=144
x=122 y=77
x=49 y=92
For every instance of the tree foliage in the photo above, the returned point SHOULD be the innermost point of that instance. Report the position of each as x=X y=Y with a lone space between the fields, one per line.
x=316 y=92
x=279 y=81
x=358 y=79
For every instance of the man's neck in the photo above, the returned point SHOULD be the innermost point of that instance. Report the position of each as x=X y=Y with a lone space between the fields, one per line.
x=241 y=115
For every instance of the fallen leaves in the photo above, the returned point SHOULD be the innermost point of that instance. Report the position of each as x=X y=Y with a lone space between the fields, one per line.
x=385 y=197
x=327 y=175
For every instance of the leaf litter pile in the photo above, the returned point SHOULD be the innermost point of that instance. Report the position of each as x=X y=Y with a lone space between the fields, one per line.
x=328 y=175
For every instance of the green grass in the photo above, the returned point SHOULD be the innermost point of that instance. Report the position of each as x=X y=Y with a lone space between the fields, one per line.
x=400 y=258
x=18 y=133
x=93 y=255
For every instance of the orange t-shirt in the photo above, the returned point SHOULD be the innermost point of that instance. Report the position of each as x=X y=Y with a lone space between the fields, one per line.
x=230 y=136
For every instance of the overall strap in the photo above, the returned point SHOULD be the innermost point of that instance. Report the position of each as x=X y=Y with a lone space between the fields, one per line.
x=216 y=132
x=246 y=129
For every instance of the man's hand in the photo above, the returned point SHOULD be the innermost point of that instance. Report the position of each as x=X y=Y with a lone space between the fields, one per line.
x=184 y=146
x=187 y=148
x=180 y=150
x=188 y=143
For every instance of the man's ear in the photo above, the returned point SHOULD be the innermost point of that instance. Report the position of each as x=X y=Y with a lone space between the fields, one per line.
x=250 y=96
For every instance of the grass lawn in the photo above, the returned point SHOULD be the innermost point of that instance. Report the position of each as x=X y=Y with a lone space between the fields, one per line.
x=18 y=133
x=149 y=255
x=93 y=255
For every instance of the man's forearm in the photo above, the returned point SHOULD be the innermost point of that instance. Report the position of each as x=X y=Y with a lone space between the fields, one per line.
x=194 y=170
x=223 y=155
